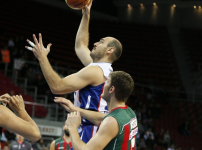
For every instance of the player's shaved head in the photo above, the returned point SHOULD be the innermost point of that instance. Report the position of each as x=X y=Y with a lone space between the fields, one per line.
x=116 y=44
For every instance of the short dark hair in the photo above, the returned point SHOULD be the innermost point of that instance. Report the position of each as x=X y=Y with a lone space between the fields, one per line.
x=118 y=49
x=123 y=84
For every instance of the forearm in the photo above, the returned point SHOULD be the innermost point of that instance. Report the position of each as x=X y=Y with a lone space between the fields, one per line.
x=52 y=78
x=24 y=115
x=75 y=139
x=92 y=116
x=33 y=133
x=82 y=37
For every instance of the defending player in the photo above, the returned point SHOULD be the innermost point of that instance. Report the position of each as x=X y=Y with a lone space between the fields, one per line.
x=62 y=143
x=22 y=124
x=118 y=129
x=89 y=81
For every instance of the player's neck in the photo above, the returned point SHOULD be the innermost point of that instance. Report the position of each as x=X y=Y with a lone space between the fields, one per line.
x=67 y=138
x=102 y=60
x=114 y=104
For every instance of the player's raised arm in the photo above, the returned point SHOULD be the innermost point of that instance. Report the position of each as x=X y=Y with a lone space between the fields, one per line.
x=92 y=116
x=86 y=76
x=108 y=129
x=23 y=124
x=82 y=37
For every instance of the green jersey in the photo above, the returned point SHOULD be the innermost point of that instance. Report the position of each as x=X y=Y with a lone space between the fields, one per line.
x=61 y=144
x=126 y=138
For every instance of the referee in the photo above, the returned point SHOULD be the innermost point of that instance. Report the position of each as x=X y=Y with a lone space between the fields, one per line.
x=20 y=144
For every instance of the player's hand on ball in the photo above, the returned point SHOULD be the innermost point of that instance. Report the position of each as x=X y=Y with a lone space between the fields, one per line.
x=86 y=9
x=16 y=103
x=73 y=120
x=38 y=49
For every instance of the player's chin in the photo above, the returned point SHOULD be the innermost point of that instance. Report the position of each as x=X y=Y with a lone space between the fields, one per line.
x=104 y=97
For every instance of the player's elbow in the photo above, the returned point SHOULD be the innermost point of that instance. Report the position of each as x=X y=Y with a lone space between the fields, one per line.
x=55 y=91
x=58 y=90
x=36 y=136
x=77 y=46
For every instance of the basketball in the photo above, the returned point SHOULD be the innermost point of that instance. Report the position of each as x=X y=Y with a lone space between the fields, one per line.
x=77 y=4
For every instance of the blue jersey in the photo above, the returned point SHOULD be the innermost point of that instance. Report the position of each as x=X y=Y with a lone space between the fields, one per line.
x=90 y=98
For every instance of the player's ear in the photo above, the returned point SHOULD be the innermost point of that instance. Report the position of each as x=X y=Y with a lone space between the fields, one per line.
x=112 y=89
x=110 y=50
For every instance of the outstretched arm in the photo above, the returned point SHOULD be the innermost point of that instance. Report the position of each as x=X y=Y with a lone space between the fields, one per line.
x=82 y=37
x=91 y=75
x=108 y=129
x=92 y=116
x=23 y=124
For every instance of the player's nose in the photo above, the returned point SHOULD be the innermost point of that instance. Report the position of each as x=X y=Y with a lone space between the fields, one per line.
x=95 y=44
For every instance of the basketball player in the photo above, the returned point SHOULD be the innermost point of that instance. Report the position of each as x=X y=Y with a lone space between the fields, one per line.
x=21 y=124
x=89 y=81
x=62 y=143
x=118 y=129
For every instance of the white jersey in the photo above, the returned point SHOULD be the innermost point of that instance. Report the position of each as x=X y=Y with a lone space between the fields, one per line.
x=90 y=96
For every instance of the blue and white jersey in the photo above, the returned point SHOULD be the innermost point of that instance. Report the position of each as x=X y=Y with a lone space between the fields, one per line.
x=90 y=96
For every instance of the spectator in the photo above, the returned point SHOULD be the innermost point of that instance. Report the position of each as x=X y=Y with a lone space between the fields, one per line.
x=142 y=143
x=30 y=74
x=5 y=53
x=40 y=145
x=154 y=147
x=167 y=138
x=11 y=93
x=20 y=144
x=184 y=128
x=144 y=124
x=5 y=147
x=3 y=137
x=179 y=148
x=149 y=132
x=33 y=144
x=140 y=127
x=150 y=141
x=11 y=44
x=138 y=113
x=161 y=138
x=172 y=147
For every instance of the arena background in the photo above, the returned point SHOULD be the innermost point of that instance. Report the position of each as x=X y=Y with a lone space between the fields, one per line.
x=161 y=50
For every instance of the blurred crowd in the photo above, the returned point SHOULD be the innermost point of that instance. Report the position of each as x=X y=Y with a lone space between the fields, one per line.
x=12 y=141
x=19 y=58
x=147 y=110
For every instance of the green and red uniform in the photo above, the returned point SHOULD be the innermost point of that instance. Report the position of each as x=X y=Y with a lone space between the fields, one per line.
x=126 y=138
x=61 y=144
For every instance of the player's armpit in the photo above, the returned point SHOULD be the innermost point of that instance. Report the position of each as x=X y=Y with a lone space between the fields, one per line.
x=83 y=54
x=108 y=129
x=52 y=146
x=91 y=75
